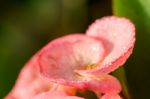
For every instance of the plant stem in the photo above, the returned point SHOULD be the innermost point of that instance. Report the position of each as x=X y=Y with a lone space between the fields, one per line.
x=121 y=75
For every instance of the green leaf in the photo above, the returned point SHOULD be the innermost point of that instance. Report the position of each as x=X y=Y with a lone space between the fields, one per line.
x=138 y=66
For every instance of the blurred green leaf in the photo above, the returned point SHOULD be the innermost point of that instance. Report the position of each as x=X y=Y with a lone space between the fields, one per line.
x=138 y=67
x=73 y=16
x=14 y=51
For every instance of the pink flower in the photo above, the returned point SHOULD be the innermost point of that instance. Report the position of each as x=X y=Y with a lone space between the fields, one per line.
x=79 y=61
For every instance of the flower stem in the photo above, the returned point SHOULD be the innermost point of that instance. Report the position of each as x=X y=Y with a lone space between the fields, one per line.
x=121 y=75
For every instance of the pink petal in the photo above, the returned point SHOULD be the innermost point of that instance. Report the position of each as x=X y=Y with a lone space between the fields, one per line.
x=111 y=96
x=118 y=37
x=29 y=83
x=55 y=95
x=102 y=84
x=61 y=58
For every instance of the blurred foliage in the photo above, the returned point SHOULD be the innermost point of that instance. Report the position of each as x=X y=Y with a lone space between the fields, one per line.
x=138 y=70
x=27 y=25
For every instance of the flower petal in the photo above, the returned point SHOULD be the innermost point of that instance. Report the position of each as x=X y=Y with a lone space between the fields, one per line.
x=55 y=95
x=111 y=96
x=118 y=37
x=61 y=58
x=101 y=84
x=29 y=82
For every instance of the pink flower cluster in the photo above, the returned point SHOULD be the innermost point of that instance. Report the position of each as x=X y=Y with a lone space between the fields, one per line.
x=78 y=62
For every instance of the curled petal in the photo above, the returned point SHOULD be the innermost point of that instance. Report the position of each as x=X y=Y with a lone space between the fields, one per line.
x=118 y=37
x=104 y=84
x=61 y=58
